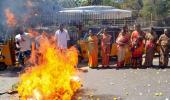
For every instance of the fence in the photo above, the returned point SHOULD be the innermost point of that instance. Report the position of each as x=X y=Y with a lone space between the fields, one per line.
x=53 y=19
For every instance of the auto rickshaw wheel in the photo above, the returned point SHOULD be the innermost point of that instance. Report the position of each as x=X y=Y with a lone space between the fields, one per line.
x=3 y=66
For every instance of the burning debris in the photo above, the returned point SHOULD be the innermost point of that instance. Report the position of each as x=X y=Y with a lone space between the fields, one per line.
x=54 y=78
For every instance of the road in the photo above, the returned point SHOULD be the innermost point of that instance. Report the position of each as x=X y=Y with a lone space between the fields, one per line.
x=110 y=84
x=7 y=79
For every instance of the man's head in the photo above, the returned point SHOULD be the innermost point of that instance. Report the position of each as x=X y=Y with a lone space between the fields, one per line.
x=125 y=28
x=152 y=30
x=137 y=27
x=105 y=30
x=90 y=33
x=44 y=34
x=166 y=31
x=61 y=27
x=20 y=31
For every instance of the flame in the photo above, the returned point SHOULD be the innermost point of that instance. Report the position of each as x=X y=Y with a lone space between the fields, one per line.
x=54 y=78
x=32 y=32
x=11 y=20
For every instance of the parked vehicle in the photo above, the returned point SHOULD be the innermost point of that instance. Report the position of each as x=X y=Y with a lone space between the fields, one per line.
x=113 y=31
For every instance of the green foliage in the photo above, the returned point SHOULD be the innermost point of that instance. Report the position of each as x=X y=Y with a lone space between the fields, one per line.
x=132 y=4
x=142 y=8
x=107 y=2
x=85 y=2
x=157 y=9
x=99 y=2
x=148 y=9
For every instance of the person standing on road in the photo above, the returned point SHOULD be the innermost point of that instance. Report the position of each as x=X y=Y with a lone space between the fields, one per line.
x=62 y=37
x=92 y=50
x=150 y=47
x=164 y=42
x=137 y=42
x=105 y=47
x=41 y=39
x=23 y=43
x=122 y=43
x=40 y=42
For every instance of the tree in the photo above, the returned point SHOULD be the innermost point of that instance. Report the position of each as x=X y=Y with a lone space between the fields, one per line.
x=134 y=5
x=85 y=2
x=90 y=2
x=157 y=9
x=99 y=2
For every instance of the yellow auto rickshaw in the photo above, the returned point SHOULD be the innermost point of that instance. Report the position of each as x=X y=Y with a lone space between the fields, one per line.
x=7 y=54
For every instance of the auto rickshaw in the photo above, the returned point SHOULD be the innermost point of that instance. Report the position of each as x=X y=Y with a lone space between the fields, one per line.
x=7 y=54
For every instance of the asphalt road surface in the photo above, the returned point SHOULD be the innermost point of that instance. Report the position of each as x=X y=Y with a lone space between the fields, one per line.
x=109 y=84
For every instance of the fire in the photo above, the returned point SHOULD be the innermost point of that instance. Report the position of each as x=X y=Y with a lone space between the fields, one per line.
x=32 y=32
x=11 y=20
x=52 y=79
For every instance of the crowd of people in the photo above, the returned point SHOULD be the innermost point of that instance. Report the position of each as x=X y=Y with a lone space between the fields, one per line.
x=28 y=41
x=130 y=46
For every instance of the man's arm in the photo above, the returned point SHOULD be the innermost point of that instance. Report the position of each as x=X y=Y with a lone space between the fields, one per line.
x=37 y=44
x=145 y=37
x=17 y=41
x=117 y=38
x=67 y=38
x=131 y=37
x=55 y=37
x=159 y=40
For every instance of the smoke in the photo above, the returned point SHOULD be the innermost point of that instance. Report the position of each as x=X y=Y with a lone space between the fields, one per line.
x=17 y=7
x=28 y=13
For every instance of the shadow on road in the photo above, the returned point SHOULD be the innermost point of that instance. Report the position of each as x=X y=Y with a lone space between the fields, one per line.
x=113 y=66
x=11 y=72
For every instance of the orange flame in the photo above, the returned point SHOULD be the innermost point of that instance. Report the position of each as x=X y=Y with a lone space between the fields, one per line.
x=52 y=79
x=32 y=32
x=10 y=18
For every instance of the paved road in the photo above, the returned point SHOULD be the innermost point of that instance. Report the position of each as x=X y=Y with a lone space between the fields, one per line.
x=7 y=79
x=127 y=84
x=107 y=84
